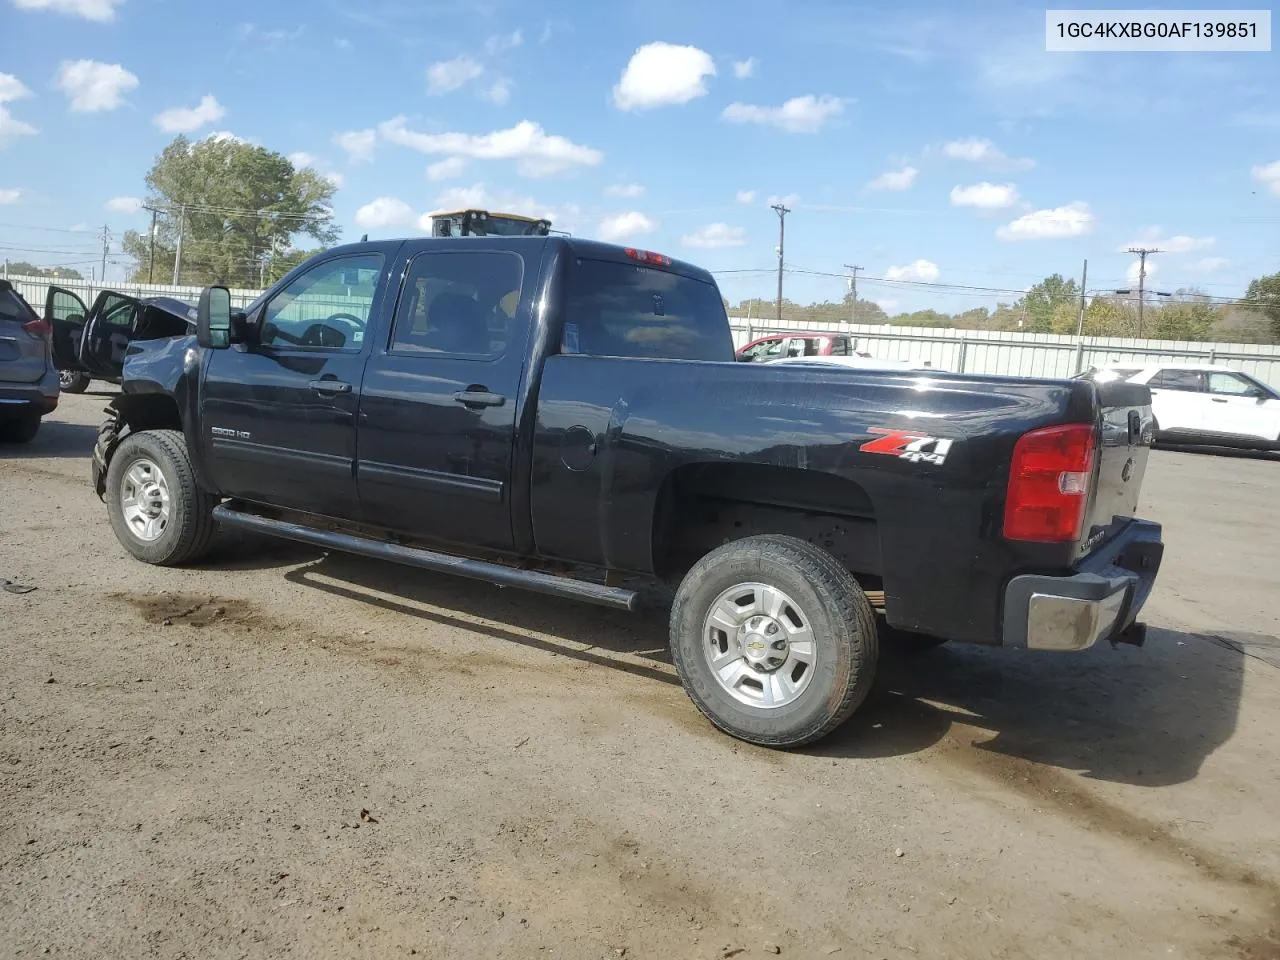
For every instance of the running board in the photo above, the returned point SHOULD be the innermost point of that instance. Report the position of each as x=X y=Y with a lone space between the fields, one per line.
x=495 y=573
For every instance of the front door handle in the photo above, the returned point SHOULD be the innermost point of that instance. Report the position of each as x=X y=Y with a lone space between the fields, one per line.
x=1218 y=399
x=479 y=398
x=330 y=386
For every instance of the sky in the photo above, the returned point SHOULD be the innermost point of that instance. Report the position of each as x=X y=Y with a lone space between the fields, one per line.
x=938 y=148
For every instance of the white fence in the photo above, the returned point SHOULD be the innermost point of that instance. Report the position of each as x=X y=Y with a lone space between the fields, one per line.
x=960 y=351
x=34 y=290
x=1030 y=354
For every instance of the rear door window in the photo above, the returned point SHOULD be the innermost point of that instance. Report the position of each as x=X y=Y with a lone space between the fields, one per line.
x=458 y=304
x=628 y=310
x=1186 y=381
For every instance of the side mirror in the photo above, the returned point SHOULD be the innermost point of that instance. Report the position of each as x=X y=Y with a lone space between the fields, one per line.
x=213 y=318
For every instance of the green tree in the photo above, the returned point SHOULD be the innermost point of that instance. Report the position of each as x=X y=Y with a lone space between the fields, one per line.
x=1263 y=295
x=21 y=268
x=239 y=206
x=1045 y=301
x=1109 y=317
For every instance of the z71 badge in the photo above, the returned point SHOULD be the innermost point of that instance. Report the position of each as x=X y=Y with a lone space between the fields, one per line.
x=906 y=445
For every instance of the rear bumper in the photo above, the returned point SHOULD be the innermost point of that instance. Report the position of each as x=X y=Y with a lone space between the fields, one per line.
x=40 y=397
x=1099 y=601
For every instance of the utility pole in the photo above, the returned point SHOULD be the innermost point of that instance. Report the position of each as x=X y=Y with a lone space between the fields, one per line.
x=151 y=267
x=1142 y=277
x=1084 y=278
x=106 y=240
x=782 y=212
x=853 y=288
x=177 y=256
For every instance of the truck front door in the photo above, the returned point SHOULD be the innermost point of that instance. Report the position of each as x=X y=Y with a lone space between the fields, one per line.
x=278 y=417
x=438 y=406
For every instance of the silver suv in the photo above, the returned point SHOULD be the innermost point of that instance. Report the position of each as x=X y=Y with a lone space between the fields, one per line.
x=28 y=380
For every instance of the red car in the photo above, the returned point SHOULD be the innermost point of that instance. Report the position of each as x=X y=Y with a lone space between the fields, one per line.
x=779 y=345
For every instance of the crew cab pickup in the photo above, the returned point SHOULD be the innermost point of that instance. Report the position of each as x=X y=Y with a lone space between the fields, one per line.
x=568 y=417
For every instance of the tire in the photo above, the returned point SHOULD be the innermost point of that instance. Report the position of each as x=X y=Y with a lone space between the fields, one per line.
x=21 y=429
x=73 y=381
x=817 y=593
x=167 y=494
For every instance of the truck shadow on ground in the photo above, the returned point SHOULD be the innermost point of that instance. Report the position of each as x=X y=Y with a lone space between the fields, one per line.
x=1147 y=716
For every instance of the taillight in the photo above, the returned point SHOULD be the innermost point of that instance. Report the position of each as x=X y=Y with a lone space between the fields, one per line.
x=38 y=328
x=1049 y=482
x=645 y=256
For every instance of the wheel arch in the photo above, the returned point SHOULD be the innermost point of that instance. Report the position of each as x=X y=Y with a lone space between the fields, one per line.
x=127 y=414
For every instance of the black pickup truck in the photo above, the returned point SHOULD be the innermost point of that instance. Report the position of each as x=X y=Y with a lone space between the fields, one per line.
x=568 y=417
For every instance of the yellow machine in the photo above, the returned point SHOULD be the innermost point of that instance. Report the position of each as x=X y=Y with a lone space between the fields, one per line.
x=482 y=223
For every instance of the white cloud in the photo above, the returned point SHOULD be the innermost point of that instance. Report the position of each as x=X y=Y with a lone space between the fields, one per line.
x=11 y=88
x=663 y=74
x=787 y=200
x=477 y=196
x=1153 y=237
x=746 y=196
x=894 y=179
x=1073 y=220
x=11 y=128
x=336 y=179
x=303 y=159
x=503 y=42
x=10 y=195
x=1269 y=176
x=449 y=75
x=742 y=69
x=537 y=153
x=447 y=169
x=627 y=190
x=358 y=144
x=190 y=119
x=985 y=196
x=888 y=305
x=384 y=212
x=624 y=226
x=976 y=150
x=99 y=10
x=807 y=114
x=92 y=86
x=1136 y=267
x=498 y=92
x=714 y=236
x=923 y=270
x=1212 y=264
x=123 y=205
x=224 y=136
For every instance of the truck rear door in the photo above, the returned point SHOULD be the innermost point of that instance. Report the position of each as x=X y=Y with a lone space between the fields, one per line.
x=66 y=314
x=438 y=406
x=108 y=330
x=1123 y=446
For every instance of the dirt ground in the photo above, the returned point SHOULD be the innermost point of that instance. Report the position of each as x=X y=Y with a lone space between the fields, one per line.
x=284 y=753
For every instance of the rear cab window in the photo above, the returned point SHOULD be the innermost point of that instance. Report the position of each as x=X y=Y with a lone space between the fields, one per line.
x=617 y=309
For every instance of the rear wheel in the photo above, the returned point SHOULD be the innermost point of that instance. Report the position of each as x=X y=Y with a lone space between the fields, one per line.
x=20 y=429
x=156 y=509
x=73 y=381
x=774 y=640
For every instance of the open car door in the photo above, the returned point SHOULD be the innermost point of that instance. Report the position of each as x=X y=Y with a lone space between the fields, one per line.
x=66 y=314
x=112 y=324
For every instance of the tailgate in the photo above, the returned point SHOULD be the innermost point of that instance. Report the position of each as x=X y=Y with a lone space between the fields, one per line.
x=1124 y=443
x=22 y=356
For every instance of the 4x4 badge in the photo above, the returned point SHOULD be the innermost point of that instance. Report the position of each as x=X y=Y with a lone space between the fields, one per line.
x=907 y=445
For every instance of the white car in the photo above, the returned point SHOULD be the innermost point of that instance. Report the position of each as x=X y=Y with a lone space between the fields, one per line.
x=1205 y=403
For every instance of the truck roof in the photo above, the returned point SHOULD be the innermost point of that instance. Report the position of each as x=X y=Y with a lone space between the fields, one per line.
x=593 y=249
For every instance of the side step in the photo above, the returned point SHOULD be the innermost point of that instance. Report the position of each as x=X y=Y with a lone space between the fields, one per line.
x=496 y=573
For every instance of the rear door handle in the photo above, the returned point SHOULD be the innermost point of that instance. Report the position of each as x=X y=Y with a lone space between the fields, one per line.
x=330 y=386
x=1218 y=399
x=479 y=398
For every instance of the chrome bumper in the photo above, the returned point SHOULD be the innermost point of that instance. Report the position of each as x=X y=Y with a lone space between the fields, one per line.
x=1100 y=601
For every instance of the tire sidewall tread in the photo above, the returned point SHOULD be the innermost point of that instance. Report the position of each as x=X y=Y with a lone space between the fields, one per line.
x=191 y=524
x=841 y=618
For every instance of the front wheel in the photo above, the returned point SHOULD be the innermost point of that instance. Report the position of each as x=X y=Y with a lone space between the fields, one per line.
x=774 y=640
x=156 y=509
x=73 y=381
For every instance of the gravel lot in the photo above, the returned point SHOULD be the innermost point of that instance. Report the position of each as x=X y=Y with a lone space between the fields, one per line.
x=283 y=753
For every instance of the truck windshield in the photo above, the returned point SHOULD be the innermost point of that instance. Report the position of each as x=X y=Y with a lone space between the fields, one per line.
x=627 y=310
